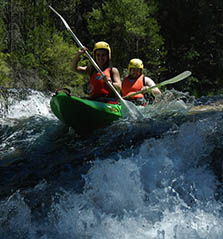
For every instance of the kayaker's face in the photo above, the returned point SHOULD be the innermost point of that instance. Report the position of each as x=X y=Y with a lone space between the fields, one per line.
x=135 y=73
x=101 y=57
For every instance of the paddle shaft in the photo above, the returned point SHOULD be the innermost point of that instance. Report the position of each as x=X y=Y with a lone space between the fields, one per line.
x=173 y=80
x=92 y=60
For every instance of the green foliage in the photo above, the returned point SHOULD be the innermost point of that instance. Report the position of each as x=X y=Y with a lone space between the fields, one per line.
x=130 y=28
x=4 y=70
x=2 y=34
x=193 y=32
x=178 y=36
x=56 y=63
x=4 y=67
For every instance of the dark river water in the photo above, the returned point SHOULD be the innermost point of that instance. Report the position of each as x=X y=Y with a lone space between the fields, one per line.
x=159 y=177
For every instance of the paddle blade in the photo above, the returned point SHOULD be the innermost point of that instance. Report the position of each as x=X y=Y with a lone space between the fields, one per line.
x=64 y=22
x=131 y=111
x=173 y=80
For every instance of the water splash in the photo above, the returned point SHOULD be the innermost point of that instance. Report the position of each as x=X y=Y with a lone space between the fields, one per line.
x=27 y=103
x=138 y=185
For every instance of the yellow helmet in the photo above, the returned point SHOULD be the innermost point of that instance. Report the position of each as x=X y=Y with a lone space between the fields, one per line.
x=102 y=45
x=135 y=63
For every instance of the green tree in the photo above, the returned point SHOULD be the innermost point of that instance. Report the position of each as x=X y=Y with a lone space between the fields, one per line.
x=56 y=69
x=4 y=67
x=193 y=32
x=131 y=30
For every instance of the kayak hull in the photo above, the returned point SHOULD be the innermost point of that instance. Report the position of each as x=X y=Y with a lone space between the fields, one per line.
x=84 y=115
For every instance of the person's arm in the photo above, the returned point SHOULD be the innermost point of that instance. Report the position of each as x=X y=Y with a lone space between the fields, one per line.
x=80 y=69
x=150 y=83
x=116 y=79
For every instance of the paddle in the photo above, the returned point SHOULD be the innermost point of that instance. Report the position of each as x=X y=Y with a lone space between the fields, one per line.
x=173 y=80
x=123 y=102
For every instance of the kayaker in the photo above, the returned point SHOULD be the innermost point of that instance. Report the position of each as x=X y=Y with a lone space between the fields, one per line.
x=99 y=90
x=136 y=81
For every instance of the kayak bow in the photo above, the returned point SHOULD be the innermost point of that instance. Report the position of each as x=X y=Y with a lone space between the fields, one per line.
x=84 y=115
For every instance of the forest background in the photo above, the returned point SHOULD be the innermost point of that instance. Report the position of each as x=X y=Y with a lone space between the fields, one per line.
x=36 y=50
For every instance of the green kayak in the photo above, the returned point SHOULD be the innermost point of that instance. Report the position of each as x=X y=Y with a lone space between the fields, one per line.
x=83 y=115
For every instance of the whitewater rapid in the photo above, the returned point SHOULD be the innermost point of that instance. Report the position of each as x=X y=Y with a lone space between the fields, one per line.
x=150 y=179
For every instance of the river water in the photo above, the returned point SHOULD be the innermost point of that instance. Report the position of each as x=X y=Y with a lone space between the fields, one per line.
x=155 y=178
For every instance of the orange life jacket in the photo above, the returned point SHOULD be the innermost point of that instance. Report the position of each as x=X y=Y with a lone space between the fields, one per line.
x=131 y=86
x=98 y=86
